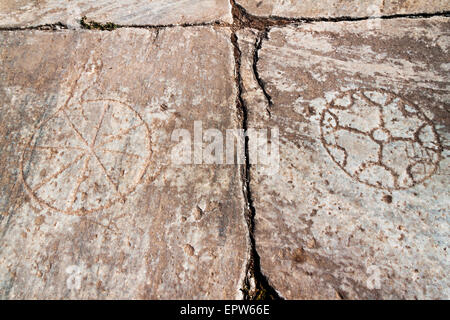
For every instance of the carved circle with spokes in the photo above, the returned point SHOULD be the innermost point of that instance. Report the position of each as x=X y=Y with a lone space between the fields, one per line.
x=86 y=157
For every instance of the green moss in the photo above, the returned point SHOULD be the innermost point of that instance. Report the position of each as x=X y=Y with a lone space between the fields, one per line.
x=92 y=25
x=259 y=293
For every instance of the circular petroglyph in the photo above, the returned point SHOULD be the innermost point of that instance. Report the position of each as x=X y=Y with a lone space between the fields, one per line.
x=380 y=139
x=86 y=157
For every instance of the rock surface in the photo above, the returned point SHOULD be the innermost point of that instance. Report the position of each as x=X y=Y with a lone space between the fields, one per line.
x=95 y=201
x=359 y=207
x=92 y=206
x=24 y=13
x=340 y=8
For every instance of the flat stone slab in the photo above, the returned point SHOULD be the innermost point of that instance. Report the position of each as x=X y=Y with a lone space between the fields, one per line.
x=340 y=8
x=24 y=13
x=92 y=204
x=359 y=206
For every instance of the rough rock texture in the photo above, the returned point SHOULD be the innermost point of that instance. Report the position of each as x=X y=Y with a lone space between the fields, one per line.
x=91 y=204
x=340 y=8
x=359 y=208
x=23 y=13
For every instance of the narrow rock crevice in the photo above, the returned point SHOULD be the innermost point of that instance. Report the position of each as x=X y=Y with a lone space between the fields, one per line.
x=302 y=20
x=255 y=286
x=263 y=35
x=46 y=27
x=110 y=26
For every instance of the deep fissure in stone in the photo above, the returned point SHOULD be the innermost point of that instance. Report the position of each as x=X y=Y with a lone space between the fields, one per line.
x=256 y=285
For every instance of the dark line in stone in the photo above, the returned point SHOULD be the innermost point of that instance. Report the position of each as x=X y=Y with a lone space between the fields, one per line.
x=262 y=290
x=258 y=45
x=44 y=27
x=242 y=20
x=422 y=15
x=110 y=26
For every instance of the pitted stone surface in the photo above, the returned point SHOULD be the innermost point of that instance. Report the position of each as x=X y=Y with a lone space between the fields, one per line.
x=25 y=13
x=92 y=205
x=359 y=207
x=340 y=8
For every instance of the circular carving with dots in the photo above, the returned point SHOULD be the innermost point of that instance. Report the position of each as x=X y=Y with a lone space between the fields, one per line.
x=86 y=157
x=380 y=139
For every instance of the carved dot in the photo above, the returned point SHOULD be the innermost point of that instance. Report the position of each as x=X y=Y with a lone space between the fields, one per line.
x=387 y=198
x=189 y=250
x=198 y=213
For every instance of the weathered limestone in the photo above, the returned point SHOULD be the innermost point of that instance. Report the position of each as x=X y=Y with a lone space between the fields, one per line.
x=24 y=13
x=91 y=204
x=340 y=8
x=359 y=208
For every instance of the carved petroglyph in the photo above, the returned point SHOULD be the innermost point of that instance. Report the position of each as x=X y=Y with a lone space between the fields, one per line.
x=89 y=155
x=380 y=139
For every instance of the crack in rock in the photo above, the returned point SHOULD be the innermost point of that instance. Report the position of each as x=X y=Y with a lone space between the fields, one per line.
x=45 y=27
x=263 y=35
x=110 y=26
x=256 y=285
